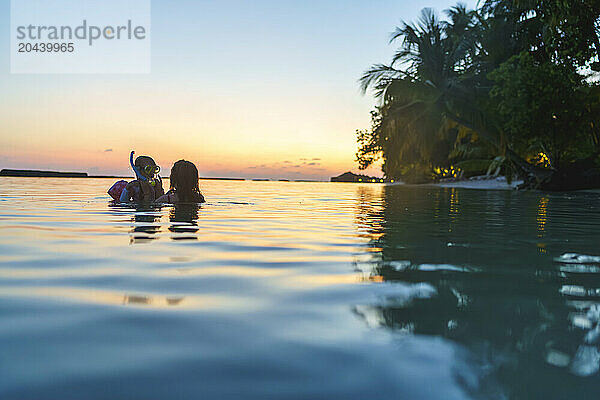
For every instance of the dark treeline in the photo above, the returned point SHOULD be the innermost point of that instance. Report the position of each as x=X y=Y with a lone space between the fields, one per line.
x=509 y=88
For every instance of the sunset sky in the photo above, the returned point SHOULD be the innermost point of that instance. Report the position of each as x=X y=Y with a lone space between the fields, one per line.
x=264 y=89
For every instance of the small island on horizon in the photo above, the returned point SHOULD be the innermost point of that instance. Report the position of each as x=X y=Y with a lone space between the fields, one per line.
x=32 y=173
x=352 y=177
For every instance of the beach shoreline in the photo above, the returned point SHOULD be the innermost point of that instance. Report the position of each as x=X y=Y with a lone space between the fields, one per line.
x=480 y=182
x=497 y=183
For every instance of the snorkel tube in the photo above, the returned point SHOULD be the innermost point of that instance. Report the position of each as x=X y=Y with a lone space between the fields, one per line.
x=138 y=174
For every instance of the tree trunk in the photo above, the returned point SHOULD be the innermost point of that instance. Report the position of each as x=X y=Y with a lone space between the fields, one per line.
x=533 y=177
x=582 y=174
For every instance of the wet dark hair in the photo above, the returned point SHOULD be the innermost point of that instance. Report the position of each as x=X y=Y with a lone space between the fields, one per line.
x=184 y=182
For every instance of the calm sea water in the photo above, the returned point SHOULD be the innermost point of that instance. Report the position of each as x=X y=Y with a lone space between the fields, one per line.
x=298 y=290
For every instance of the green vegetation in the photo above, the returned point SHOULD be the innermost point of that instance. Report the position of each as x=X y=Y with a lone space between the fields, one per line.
x=510 y=88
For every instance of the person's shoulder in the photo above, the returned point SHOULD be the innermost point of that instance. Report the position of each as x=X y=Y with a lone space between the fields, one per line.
x=169 y=197
x=134 y=184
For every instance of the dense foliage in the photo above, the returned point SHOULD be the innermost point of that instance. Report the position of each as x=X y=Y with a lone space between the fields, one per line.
x=509 y=85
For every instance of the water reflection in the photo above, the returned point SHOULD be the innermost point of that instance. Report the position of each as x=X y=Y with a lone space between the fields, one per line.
x=530 y=323
x=542 y=218
x=542 y=215
x=266 y=298
x=108 y=297
x=151 y=300
x=184 y=221
x=145 y=224
x=368 y=206
x=454 y=207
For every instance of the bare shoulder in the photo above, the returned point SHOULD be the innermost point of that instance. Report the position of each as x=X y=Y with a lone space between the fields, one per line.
x=167 y=198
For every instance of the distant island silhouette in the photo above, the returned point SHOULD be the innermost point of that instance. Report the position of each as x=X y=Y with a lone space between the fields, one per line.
x=40 y=174
x=352 y=177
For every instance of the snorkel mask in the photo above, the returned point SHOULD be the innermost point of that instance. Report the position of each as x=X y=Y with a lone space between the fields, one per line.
x=148 y=171
x=151 y=170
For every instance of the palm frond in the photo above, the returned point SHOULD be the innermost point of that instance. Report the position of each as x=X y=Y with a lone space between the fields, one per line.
x=378 y=77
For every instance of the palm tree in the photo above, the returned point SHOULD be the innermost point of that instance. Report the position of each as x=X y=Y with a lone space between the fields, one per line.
x=433 y=91
x=428 y=88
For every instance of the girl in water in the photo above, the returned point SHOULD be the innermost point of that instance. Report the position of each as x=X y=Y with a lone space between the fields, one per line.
x=184 y=185
x=146 y=188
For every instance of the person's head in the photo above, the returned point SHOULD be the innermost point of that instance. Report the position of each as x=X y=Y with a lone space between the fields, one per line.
x=146 y=166
x=184 y=180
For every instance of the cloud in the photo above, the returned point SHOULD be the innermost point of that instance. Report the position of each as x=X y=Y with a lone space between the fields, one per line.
x=108 y=150
x=313 y=163
x=316 y=159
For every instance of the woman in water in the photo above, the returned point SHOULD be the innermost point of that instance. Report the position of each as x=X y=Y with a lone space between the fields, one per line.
x=184 y=185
